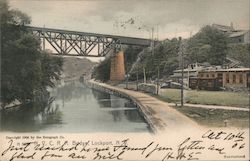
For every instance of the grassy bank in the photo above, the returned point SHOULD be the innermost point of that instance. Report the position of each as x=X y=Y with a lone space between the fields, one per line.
x=217 y=117
x=208 y=117
x=207 y=97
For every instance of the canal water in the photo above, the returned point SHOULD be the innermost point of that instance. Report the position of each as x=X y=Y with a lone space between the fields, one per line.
x=75 y=108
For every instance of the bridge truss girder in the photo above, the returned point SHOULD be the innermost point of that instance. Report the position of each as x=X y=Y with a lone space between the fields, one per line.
x=82 y=45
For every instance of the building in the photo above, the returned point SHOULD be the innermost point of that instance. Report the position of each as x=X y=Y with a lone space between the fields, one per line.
x=223 y=28
x=236 y=36
x=227 y=78
x=240 y=37
x=191 y=71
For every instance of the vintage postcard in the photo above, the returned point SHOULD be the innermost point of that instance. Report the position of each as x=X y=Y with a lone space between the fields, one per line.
x=152 y=80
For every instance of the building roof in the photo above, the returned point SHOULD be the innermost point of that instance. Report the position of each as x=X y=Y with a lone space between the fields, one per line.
x=186 y=70
x=238 y=33
x=223 y=27
x=200 y=68
x=228 y=70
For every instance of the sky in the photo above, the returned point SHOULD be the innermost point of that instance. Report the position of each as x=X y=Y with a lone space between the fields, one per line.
x=135 y=18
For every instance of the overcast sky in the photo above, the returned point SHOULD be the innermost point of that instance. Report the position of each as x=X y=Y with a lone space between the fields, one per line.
x=135 y=17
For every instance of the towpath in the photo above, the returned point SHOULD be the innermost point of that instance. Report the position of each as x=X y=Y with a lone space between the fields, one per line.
x=214 y=107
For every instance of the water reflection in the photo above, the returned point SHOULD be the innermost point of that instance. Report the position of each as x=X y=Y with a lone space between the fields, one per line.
x=123 y=105
x=30 y=117
x=69 y=91
x=102 y=98
x=76 y=108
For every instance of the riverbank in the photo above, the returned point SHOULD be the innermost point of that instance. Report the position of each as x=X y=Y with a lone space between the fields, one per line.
x=73 y=68
x=11 y=105
x=159 y=115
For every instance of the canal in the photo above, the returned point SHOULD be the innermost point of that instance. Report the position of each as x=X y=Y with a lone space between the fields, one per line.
x=75 y=108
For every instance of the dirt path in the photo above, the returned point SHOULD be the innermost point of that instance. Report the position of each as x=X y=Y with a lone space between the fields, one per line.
x=158 y=113
x=214 y=107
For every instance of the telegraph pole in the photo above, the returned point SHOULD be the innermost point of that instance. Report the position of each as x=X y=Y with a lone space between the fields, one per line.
x=182 y=70
x=144 y=75
x=137 y=78
x=158 y=77
x=126 y=81
x=182 y=77
x=43 y=41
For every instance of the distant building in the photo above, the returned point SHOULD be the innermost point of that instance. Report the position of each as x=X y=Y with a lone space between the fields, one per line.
x=236 y=36
x=192 y=71
x=240 y=37
x=214 y=79
x=223 y=28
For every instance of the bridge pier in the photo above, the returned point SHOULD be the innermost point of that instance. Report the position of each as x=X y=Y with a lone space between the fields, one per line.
x=117 y=68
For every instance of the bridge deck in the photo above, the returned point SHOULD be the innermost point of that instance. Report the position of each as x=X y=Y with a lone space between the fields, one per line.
x=122 y=39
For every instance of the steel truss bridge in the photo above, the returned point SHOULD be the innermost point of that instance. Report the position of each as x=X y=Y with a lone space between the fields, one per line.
x=82 y=43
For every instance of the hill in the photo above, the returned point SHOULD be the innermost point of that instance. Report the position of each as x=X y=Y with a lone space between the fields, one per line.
x=74 y=67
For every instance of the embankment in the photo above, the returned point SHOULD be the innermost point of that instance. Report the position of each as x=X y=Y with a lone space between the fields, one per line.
x=159 y=115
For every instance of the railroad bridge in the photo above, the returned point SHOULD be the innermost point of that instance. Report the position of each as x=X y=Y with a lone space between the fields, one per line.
x=66 y=42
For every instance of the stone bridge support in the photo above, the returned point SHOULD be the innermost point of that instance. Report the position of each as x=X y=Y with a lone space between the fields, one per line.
x=117 y=68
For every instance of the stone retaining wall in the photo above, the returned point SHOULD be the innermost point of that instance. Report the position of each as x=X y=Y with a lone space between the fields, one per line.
x=140 y=107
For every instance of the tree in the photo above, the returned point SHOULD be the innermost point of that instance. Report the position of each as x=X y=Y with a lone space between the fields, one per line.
x=102 y=71
x=208 y=45
x=130 y=56
x=25 y=69
x=165 y=58
x=240 y=52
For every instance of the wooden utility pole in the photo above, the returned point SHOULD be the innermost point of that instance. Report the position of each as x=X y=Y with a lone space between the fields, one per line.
x=43 y=41
x=158 y=77
x=137 y=78
x=182 y=70
x=126 y=81
x=182 y=77
x=144 y=75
